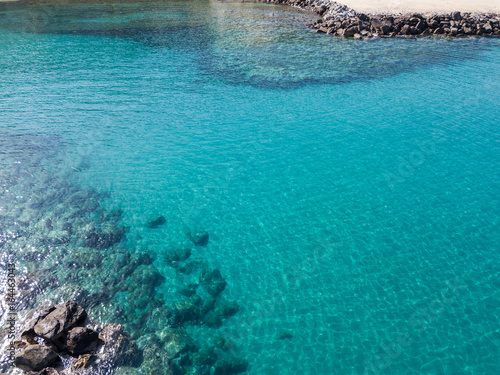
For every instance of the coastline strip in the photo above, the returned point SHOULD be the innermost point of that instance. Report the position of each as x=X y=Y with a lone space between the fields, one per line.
x=341 y=20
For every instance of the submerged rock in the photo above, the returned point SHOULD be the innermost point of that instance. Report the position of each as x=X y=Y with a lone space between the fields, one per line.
x=208 y=304
x=35 y=358
x=155 y=361
x=228 y=367
x=144 y=259
x=285 y=335
x=96 y=239
x=118 y=349
x=177 y=255
x=212 y=320
x=114 y=215
x=214 y=317
x=149 y=276
x=159 y=221
x=187 y=291
x=204 y=357
x=220 y=342
x=87 y=260
x=213 y=282
x=189 y=267
x=186 y=311
x=227 y=309
x=87 y=301
x=200 y=238
x=176 y=342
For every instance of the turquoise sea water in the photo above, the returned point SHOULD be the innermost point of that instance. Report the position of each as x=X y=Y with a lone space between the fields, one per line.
x=351 y=189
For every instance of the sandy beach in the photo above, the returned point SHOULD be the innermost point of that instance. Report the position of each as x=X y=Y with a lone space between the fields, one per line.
x=423 y=6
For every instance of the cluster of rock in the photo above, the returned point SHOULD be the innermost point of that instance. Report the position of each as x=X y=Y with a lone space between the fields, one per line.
x=202 y=290
x=60 y=340
x=450 y=25
x=201 y=303
x=343 y=21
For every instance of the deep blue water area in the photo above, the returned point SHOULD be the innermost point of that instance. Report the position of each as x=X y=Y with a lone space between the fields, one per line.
x=350 y=189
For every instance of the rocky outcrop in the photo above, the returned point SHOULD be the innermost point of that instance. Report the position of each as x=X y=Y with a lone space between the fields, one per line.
x=213 y=282
x=159 y=221
x=340 y=20
x=199 y=238
x=57 y=332
x=59 y=321
x=223 y=367
x=70 y=344
x=101 y=239
x=172 y=257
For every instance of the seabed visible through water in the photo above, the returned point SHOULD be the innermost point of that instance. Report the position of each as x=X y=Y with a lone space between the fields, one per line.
x=350 y=189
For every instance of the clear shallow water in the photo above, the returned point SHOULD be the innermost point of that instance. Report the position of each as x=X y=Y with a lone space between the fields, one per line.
x=350 y=189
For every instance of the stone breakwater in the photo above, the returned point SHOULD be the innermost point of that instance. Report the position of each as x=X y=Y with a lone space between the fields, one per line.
x=342 y=21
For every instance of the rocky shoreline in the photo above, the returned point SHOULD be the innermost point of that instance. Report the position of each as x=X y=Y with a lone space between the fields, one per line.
x=62 y=340
x=342 y=21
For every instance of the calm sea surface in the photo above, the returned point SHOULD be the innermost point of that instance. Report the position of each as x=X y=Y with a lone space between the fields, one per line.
x=351 y=189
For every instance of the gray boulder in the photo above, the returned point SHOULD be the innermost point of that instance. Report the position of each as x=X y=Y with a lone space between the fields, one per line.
x=35 y=358
x=385 y=29
x=457 y=16
x=29 y=327
x=81 y=340
x=350 y=31
x=60 y=320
